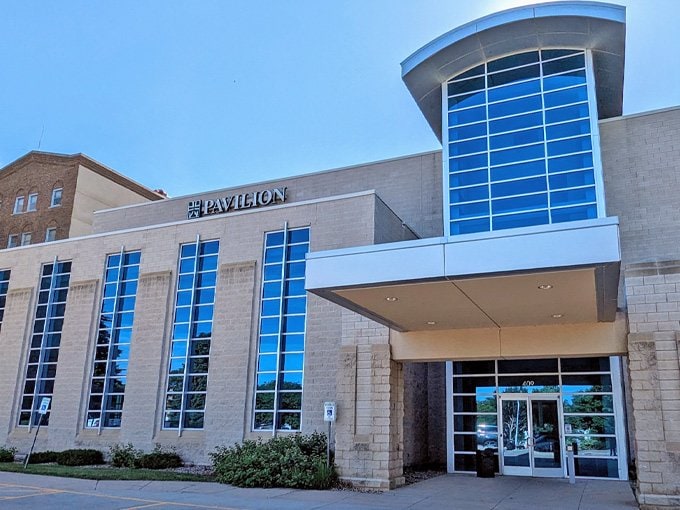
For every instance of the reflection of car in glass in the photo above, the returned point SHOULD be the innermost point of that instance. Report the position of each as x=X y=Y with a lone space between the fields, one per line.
x=487 y=435
x=545 y=443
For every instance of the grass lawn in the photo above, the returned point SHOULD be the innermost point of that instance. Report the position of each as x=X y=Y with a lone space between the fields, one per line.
x=103 y=473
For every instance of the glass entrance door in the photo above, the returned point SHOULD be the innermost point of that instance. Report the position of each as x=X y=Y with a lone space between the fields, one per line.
x=530 y=442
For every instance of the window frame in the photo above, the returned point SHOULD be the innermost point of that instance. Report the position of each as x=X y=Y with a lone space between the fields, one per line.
x=32 y=202
x=56 y=192
x=19 y=204
x=52 y=230
x=26 y=238
x=12 y=240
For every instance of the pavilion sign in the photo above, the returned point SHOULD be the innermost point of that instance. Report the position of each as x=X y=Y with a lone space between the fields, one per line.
x=250 y=200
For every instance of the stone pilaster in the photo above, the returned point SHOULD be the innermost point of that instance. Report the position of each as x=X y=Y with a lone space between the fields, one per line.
x=369 y=438
x=653 y=297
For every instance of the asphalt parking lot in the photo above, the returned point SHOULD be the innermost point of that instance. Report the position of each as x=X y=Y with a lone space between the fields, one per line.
x=23 y=492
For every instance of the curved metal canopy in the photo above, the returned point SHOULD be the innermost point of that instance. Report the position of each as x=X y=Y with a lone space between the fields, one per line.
x=596 y=26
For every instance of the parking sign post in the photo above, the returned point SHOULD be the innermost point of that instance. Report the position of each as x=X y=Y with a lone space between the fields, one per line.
x=329 y=416
x=42 y=411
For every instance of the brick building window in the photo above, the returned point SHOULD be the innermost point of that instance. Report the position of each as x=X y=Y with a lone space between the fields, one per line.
x=50 y=234
x=13 y=240
x=25 y=238
x=283 y=307
x=32 y=202
x=56 y=197
x=19 y=205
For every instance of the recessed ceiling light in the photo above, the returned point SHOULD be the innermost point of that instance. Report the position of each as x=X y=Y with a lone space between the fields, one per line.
x=391 y=299
x=557 y=315
x=545 y=286
x=431 y=323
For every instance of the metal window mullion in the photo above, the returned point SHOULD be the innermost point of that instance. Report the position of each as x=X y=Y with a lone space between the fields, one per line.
x=107 y=368
x=180 y=427
x=488 y=146
x=42 y=339
x=284 y=273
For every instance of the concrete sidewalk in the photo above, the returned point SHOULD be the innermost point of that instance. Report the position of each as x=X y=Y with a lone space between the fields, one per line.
x=20 y=491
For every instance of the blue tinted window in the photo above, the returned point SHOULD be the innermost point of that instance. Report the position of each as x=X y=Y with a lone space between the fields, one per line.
x=566 y=96
x=551 y=54
x=467 y=116
x=573 y=162
x=517 y=154
x=470 y=131
x=571 y=179
x=515 y=106
x=559 y=81
x=518 y=170
x=468 y=178
x=579 y=127
x=516 y=60
x=504 y=77
x=274 y=239
x=469 y=194
x=582 y=143
x=584 y=212
x=577 y=111
x=515 y=90
x=509 y=188
x=524 y=203
x=469 y=147
x=470 y=210
x=466 y=86
x=300 y=235
x=517 y=138
x=513 y=123
x=458 y=102
x=468 y=162
x=520 y=220
x=469 y=226
x=572 y=197
x=564 y=64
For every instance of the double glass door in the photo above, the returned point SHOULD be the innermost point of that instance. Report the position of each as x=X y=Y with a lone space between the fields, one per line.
x=530 y=431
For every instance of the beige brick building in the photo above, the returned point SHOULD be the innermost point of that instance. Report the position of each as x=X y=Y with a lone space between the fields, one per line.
x=515 y=293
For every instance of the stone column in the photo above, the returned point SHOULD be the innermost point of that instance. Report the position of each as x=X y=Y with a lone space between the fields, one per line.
x=370 y=396
x=653 y=297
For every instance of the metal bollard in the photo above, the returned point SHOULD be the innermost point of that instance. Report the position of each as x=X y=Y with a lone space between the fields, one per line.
x=570 y=464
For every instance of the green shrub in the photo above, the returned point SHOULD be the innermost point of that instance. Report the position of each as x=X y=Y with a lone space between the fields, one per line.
x=297 y=461
x=7 y=453
x=80 y=457
x=160 y=459
x=43 y=457
x=125 y=455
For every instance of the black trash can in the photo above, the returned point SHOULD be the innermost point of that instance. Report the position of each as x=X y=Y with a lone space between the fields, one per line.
x=485 y=463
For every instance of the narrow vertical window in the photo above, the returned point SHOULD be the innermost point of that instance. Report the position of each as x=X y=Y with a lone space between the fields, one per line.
x=112 y=352
x=32 y=202
x=283 y=306
x=12 y=241
x=4 y=285
x=19 y=205
x=50 y=234
x=56 y=197
x=191 y=336
x=43 y=353
x=25 y=238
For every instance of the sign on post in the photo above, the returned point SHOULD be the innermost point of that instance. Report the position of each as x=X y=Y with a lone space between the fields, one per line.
x=44 y=405
x=329 y=411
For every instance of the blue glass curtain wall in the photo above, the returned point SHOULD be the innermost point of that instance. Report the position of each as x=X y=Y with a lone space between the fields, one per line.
x=112 y=352
x=283 y=305
x=191 y=336
x=43 y=354
x=519 y=143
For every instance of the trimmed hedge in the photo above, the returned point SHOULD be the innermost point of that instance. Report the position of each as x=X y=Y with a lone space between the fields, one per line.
x=43 y=457
x=80 y=457
x=160 y=460
x=7 y=453
x=297 y=461
x=126 y=455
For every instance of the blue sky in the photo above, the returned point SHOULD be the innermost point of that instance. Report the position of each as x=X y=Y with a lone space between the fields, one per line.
x=192 y=96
